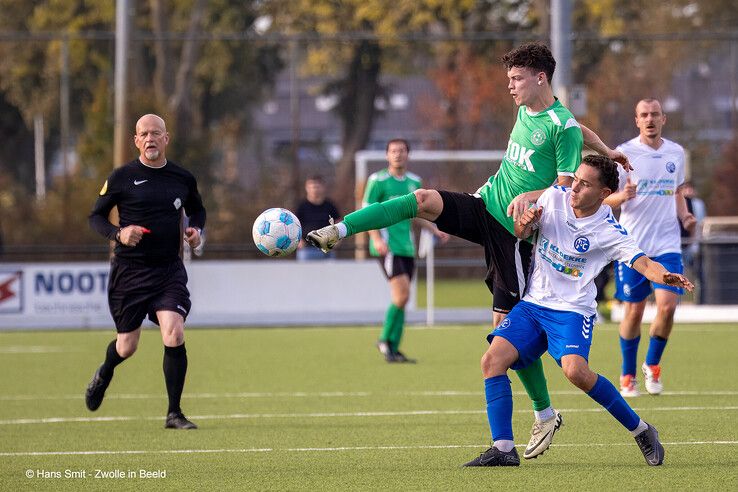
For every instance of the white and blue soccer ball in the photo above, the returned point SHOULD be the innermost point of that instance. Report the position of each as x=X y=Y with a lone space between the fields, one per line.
x=277 y=232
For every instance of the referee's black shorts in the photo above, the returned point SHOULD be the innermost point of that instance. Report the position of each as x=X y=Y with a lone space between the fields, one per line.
x=507 y=257
x=136 y=290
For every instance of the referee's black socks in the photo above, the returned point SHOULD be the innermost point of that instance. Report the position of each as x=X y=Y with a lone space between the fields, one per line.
x=112 y=359
x=175 y=369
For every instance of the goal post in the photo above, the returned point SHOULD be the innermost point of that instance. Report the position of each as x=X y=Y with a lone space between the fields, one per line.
x=363 y=159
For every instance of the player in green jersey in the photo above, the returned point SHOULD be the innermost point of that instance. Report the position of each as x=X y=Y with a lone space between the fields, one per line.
x=544 y=147
x=394 y=245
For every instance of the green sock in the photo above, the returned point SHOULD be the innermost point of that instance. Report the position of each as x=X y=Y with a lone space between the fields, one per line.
x=534 y=381
x=397 y=328
x=389 y=323
x=381 y=215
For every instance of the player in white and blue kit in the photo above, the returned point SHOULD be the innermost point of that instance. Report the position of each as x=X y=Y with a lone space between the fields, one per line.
x=650 y=201
x=577 y=237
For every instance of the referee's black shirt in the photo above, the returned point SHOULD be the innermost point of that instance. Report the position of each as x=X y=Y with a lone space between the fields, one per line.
x=152 y=198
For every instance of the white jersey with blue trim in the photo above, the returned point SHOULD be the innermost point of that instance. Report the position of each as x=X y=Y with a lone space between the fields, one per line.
x=651 y=216
x=570 y=252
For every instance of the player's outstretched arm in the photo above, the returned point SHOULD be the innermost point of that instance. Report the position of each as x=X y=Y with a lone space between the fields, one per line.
x=594 y=142
x=656 y=272
x=528 y=223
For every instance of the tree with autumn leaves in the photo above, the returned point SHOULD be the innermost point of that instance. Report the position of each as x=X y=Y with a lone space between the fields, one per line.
x=206 y=65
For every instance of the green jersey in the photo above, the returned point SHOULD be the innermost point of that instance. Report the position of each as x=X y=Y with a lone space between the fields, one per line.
x=542 y=147
x=383 y=186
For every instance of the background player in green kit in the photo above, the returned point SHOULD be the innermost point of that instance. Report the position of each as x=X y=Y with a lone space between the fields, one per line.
x=394 y=245
x=545 y=146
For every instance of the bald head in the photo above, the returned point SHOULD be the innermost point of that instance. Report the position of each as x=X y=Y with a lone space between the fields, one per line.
x=151 y=140
x=650 y=119
x=151 y=119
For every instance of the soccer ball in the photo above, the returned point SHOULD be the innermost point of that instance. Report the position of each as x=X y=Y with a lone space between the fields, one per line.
x=277 y=232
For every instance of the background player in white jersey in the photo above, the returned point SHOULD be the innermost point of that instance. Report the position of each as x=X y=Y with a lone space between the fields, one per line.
x=651 y=205
x=577 y=237
x=545 y=147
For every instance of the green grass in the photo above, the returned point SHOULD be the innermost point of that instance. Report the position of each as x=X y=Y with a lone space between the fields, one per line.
x=455 y=293
x=307 y=409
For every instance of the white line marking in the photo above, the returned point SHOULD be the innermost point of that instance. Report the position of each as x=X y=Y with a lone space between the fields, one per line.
x=163 y=451
x=234 y=416
x=32 y=349
x=333 y=449
x=326 y=394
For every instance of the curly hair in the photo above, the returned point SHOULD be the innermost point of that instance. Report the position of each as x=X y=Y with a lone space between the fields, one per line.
x=608 y=170
x=535 y=56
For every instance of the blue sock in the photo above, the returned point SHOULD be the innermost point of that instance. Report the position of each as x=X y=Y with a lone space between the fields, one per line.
x=629 y=348
x=499 y=407
x=606 y=395
x=655 y=350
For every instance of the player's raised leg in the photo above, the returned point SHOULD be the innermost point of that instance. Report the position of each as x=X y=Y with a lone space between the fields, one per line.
x=426 y=204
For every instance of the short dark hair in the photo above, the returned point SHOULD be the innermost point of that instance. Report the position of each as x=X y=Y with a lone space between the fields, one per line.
x=398 y=140
x=316 y=177
x=608 y=170
x=535 y=56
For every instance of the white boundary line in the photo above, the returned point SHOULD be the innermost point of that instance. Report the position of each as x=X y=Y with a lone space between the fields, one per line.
x=334 y=449
x=234 y=416
x=326 y=394
x=34 y=349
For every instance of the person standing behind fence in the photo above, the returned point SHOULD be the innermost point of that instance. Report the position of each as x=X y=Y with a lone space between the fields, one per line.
x=313 y=213
x=147 y=276
x=651 y=206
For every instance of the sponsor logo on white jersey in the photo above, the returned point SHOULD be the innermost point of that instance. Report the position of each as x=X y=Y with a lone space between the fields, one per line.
x=581 y=244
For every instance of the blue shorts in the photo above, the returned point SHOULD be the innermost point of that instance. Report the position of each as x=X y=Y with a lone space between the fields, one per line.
x=631 y=286
x=533 y=329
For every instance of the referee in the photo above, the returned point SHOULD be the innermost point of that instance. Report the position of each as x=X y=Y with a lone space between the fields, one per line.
x=147 y=276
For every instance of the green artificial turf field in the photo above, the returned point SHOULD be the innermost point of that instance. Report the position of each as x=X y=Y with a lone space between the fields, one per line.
x=318 y=409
